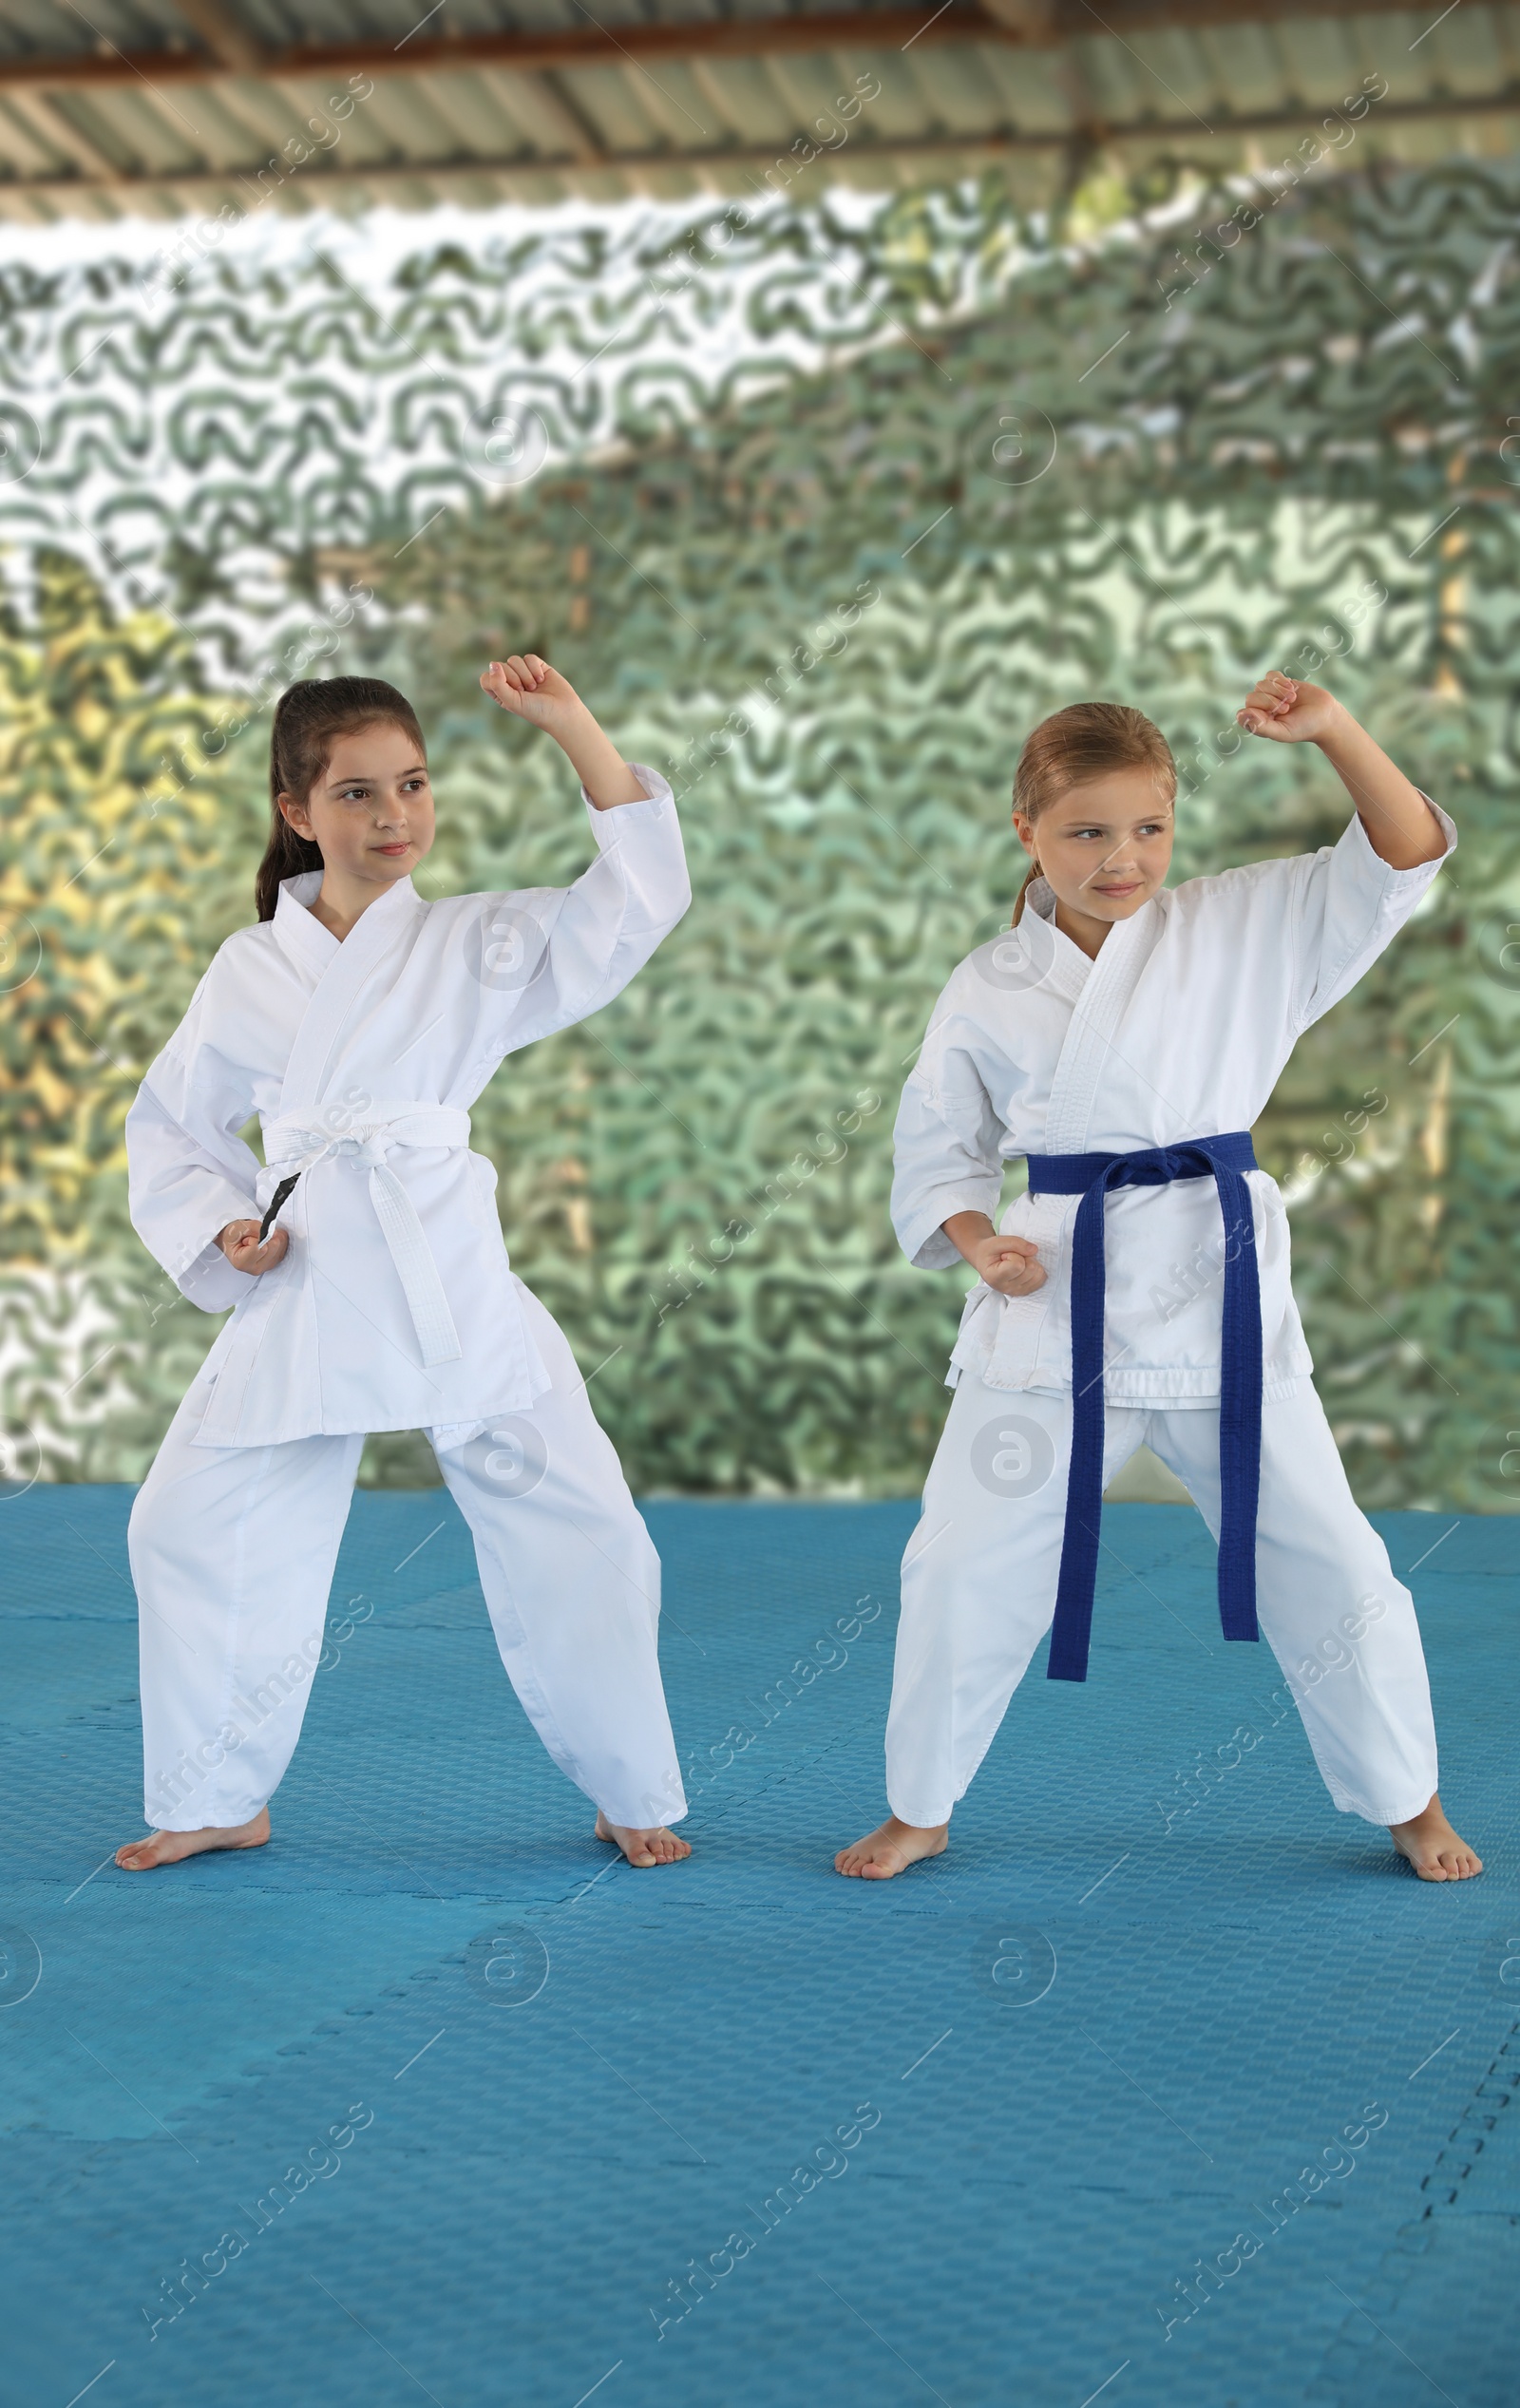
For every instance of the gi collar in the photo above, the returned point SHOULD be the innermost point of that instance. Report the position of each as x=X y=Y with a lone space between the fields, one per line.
x=301 y=934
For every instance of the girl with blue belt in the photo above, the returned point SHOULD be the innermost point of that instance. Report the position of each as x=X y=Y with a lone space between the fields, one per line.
x=1122 y=1037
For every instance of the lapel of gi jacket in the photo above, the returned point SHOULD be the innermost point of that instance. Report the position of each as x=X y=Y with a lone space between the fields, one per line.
x=341 y=982
x=301 y=938
x=1055 y=963
x=1096 y=1018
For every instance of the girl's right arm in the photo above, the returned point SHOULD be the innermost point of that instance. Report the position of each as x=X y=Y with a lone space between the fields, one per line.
x=191 y=1180
x=948 y=1165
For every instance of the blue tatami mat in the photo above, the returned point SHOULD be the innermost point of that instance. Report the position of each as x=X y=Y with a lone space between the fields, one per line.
x=1167 y=2085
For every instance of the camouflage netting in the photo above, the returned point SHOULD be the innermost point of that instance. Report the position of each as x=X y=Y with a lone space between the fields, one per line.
x=843 y=505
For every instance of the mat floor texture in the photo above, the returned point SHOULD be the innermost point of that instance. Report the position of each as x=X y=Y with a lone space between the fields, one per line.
x=1167 y=2084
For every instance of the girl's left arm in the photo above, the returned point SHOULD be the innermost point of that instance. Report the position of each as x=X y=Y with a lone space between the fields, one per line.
x=547 y=958
x=530 y=690
x=1401 y=828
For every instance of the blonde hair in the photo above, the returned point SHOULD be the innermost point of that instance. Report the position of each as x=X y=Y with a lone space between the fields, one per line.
x=1077 y=744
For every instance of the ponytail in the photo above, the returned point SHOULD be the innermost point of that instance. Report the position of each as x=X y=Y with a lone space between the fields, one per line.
x=285 y=856
x=309 y=718
x=1023 y=892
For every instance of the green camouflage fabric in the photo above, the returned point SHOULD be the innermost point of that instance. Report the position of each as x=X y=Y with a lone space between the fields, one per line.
x=820 y=510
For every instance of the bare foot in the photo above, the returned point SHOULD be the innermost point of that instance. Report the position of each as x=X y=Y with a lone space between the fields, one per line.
x=656 y=1846
x=1433 y=1848
x=892 y=1849
x=166 y=1848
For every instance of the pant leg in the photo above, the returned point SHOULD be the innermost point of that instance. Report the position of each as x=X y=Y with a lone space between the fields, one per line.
x=233 y=1550
x=1341 y=1627
x=572 y=1581
x=979 y=1583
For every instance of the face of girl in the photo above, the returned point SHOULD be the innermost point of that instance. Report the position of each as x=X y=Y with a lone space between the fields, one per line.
x=1104 y=848
x=371 y=809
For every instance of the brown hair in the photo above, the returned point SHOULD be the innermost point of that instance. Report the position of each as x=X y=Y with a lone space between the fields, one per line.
x=1074 y=747
x=309 y=718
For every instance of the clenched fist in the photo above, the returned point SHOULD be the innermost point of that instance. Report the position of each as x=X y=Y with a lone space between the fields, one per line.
x=239 y=1244
x=1011 y=1265
x=1288 y=711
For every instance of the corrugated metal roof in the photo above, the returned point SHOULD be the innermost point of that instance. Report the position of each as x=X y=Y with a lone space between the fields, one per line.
x=167 y=110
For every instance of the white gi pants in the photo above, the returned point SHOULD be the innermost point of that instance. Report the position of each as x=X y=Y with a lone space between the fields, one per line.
x=980 y=1570
x=233 y=1550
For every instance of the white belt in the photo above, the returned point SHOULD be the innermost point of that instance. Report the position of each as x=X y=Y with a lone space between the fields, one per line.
x=295 y=1145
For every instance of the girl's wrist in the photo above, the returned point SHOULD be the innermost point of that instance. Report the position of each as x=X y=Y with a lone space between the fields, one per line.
x=1342 y=727
x=596 y=762
x=584 y=741
x=581 y=726
x=967 y=1232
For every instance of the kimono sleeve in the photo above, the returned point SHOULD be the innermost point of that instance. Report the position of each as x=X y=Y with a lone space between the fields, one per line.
x=1346 y=906
x=946 y=1143
x=188 y=1171
x=548 y=958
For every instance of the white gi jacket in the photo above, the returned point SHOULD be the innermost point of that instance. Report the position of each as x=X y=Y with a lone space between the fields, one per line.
x=395 y=1307
x=1179 y=1029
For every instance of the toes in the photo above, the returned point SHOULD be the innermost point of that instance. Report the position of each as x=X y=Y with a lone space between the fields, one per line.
x=658 y=1847
x=654 y=1848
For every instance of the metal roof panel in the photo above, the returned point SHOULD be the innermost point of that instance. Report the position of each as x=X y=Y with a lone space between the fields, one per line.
x=168 y=126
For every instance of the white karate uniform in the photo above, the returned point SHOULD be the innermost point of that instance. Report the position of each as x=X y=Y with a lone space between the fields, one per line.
x=1179 y=1029
x=394 y=1308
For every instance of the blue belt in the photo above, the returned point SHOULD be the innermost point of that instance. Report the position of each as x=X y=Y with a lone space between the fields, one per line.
x=1225 y=1159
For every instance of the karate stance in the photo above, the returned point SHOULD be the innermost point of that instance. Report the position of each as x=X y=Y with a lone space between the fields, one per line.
x=1122 y=1037
x=360 y=1022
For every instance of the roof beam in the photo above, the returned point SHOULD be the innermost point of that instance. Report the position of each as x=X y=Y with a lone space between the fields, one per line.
x=1183 y=131
x=227 y=39
x=1026 y=23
